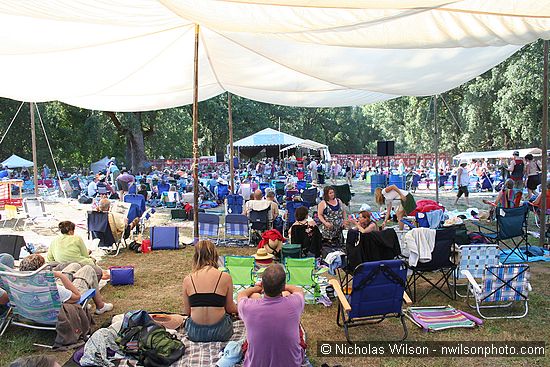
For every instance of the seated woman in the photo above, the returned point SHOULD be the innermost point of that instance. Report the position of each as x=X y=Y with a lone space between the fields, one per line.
x=172 y=196
x=394 y=196
x=208 y=297
x=70 y=248
x=364 y=223
x=291 y=191
x=142 y=190
x=305 y=232
x=74 y=280
x=508 y=197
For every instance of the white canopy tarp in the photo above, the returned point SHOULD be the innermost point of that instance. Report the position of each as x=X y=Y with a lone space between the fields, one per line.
x=16 y=161
x=99 y=165
x=267 y=137
x=137 y=55
x=307 y=144
x=497 y=154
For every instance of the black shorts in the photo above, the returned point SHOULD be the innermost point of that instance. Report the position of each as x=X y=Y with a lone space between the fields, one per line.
x=533 y=181
x=463 y=190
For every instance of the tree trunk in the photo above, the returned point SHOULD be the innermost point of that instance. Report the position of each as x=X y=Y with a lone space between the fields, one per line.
x=138 y=150
x=135 y=146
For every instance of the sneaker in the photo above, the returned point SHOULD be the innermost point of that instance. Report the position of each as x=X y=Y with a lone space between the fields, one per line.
x=106 y=308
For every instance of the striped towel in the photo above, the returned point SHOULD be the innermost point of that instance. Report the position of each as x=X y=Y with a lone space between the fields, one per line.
x=441 y=318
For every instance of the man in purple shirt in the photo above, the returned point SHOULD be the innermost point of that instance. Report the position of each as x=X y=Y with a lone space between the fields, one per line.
x=272 y=322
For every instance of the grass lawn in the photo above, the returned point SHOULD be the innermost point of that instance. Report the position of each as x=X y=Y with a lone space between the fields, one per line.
x=159 y=277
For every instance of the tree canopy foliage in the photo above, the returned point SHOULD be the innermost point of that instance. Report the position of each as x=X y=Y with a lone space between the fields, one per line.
x=501 y=109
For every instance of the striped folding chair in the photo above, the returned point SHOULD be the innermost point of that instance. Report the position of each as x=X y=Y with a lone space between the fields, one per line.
x=474 y=258
x=502 y=287
x=236 y=225
x=209 y=225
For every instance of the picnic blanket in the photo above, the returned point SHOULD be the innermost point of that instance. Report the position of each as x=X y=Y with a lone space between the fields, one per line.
x=437 y=318
x=535 y=254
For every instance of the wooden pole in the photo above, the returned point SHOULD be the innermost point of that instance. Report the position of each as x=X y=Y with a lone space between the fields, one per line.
x=33 y=138
x=544 y=147
x=231 y=164
x=436 y=151
x=196 y=138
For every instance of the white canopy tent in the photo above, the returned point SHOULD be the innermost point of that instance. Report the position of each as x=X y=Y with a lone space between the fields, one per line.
x=312 y=145
x=137 y=55
x=15 y=161
x=497 y=154
x=267 y=137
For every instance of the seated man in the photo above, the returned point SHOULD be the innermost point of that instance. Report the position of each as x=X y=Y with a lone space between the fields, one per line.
x=258 y=204
x=83 y=278
x=117 y=222
x=272 y=322
x=270 y=196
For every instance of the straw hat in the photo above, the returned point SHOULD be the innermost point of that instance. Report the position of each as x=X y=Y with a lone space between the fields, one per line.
x=169 y=321
x=261 y=254
x=463 y=161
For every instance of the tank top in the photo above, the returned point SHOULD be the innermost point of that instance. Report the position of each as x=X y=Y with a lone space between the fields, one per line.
x=207 y=299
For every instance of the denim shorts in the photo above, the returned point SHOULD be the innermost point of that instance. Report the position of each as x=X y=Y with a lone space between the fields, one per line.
x=218 y=332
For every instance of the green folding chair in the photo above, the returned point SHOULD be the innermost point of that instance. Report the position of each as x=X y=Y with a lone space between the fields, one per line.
x=241 y=269
x=34 y=300
x=302 y=272
x=291 y=250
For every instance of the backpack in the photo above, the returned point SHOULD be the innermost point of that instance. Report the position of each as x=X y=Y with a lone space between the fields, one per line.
x=142 y=338
x=85 y=200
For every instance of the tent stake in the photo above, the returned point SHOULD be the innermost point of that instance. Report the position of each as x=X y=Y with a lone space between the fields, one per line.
x=196 y=138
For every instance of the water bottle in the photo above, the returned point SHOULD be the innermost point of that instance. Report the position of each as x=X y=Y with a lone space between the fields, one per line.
x=30 y=248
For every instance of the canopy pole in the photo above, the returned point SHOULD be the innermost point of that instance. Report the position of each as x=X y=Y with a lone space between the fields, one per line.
x=436 y=151
x=544 y=129
x=34 y=164
x=231 y=163
x=196 y=138
x=11 y=122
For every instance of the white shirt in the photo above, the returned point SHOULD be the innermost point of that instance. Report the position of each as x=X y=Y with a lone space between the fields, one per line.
x=92 y=189
x=392 y=195
x=463 y=176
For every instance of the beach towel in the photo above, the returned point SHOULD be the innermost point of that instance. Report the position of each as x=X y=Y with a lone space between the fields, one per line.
x=441 y=317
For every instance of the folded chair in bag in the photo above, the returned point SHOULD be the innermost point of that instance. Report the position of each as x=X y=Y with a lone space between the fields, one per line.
x=34 y=300
x=12 y=244
x=511 y=231
x=209 y=225
x=343 y=192
x=377 y=293
x=474 y=258
x=234 y=204
x=302 y=272
x=241 y=269
x=98 y=227
x=236 y=225
x=165 y=238
x=441 y=264
x=502 y=287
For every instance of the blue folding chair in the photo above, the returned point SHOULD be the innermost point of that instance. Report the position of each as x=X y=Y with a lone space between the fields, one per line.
x=378 y=292
x=137 y=199
x=163 y=187
x=309 y=196
x=291 y=207
x=164 y=238
x=236 y=225
x=209 y=225
x=234 y=204
x=511 y=231
x=301 y=185
x=223 y=191
x=262 y=186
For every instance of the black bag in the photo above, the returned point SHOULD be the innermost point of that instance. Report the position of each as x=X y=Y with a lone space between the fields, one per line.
x=135 y=246
x=178 y=214
x=75 y=194
x=85 y=200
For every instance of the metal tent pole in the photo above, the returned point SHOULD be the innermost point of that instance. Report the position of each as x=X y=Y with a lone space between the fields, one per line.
x=231 y=163
x=544 y=147
x=436 y=151
x=33 y=138
x=196 y=138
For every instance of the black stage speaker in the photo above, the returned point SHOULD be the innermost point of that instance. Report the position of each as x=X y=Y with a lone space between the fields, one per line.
x=385 y=148
x=220 y=157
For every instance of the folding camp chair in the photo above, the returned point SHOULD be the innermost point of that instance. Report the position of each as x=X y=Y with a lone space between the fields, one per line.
x=343 y=192
x=98 y=227
x=502 y=287
x=377 y=293
x=259 y=219
x=511 y=227
x=291 y=250
x=9 y=213
x=223 y=191
x=236 y=225
x=12 y=244
x=234 y=204
x=441 y=263
x=164 y=238
x=309 y=196
x=34 y=299
x=301 y=185
x=139 y=201
x=163 y=187
x=279 y=188
x=302 y=272
x=291 y=207
x=474 y=258
x=241 y=269
x=35 y=213
x=209 y=225
x=262 y=186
